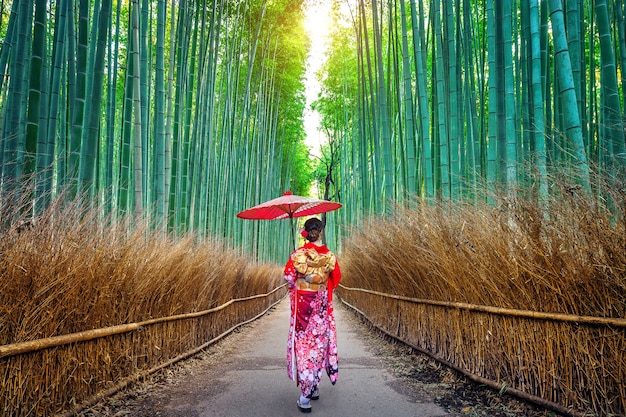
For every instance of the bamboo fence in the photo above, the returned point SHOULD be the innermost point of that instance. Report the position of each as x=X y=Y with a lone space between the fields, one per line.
x=63 y=374
x=574 y=365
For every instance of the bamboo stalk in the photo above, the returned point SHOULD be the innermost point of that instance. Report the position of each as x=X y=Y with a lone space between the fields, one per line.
x=49 y=342
x=569 y=318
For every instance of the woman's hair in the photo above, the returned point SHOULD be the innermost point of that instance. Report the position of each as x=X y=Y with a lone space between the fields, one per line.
x=313 y=227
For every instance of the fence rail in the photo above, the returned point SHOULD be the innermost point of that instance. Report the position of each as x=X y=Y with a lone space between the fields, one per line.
x=62 y=375
x=574 y=365
x=571 y=318
x=49 y=342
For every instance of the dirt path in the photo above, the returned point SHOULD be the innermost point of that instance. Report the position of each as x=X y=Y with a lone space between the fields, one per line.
x=245 y=375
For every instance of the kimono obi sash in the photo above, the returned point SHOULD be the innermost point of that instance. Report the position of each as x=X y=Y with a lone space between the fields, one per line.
x=317 y=267
x=309 y=286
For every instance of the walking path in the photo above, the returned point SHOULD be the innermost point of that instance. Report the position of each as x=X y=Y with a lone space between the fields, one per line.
x=248 y=378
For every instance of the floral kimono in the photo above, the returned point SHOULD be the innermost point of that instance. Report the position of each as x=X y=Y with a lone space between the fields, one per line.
x=312 y=342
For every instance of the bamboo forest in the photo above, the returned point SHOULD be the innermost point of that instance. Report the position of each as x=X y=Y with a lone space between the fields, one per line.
x=477 y=147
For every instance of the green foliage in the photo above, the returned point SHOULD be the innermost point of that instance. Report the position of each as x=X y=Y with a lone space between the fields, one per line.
x=292 y=45
x=303 y=176
x=231 y=103
x=339 y=80
x=484 y=92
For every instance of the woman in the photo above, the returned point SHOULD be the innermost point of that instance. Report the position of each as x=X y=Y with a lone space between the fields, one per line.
x=312 y=273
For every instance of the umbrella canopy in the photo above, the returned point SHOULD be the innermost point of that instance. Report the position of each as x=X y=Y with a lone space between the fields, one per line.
x=288 y=206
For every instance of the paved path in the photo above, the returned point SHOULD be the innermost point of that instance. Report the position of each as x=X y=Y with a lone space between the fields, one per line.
x=250 y=379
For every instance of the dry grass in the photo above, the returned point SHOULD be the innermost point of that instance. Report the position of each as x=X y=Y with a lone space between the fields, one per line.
x=68 y=273
x=570 y=258
x=73 y=270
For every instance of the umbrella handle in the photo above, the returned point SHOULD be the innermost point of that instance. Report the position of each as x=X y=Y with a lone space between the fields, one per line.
x=293 y=233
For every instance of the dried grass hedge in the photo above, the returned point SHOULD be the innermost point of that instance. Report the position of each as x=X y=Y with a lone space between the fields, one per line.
x=72 y=271
x=571 y=260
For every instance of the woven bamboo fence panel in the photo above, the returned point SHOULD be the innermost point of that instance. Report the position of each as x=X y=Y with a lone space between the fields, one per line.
x=570 y=364
x=51 y=376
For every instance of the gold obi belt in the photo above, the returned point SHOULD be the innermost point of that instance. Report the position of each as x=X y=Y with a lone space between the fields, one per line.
x=309 y=286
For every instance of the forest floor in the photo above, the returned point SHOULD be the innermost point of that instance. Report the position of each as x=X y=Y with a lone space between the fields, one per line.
x=414 y=376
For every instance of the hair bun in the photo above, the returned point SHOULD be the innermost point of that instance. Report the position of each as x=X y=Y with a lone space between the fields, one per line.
x=313 y=223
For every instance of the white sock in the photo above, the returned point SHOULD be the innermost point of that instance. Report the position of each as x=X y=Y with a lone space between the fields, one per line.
x=304 y=400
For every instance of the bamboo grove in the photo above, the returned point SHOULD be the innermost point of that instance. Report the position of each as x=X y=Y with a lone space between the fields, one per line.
x=442 y=98
x=189 y=111
x=183 y=112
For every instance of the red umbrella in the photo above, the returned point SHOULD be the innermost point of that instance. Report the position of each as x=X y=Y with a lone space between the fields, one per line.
x=288 y=206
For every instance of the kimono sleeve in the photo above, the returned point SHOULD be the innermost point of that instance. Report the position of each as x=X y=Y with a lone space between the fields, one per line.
x=290 y=273
x=334 y=277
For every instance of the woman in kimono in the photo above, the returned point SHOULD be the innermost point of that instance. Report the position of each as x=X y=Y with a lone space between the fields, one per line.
x=312 y=273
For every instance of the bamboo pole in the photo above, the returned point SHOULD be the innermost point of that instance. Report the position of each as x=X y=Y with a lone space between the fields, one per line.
x=49 y=342
x=537 y=315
